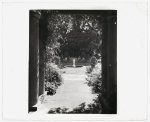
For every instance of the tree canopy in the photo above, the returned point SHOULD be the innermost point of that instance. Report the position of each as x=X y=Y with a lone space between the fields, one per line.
x=72 y=34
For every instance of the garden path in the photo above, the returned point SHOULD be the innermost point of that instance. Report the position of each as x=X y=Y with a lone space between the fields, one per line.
x=71 y=93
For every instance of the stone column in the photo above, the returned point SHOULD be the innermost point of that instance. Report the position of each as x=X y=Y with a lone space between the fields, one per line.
x=109 y=52
x=105 y=74
x=109 y=62
x=43 y=34
x=112 y=64
x=112 y=53
x=33 y=59
x=41 y=68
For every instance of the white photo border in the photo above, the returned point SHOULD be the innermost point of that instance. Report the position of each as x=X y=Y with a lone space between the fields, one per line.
x=132 y=55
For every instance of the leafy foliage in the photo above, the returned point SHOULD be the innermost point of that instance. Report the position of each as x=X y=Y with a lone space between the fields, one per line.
x=81 y=109
x=94 y=78
x=60 y=26
x=93 y=61
x=53 y=78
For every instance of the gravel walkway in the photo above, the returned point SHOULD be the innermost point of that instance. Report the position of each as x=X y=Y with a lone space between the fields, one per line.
x=71 y=93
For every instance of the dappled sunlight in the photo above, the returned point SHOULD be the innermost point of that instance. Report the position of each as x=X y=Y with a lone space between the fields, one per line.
x=71 y=93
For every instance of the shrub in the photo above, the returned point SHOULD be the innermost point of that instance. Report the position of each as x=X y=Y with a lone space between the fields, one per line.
x=89 y=69
x=94 y=79
x=93 y=61
x=56 y=60
x=94 y=108
x=53 y=78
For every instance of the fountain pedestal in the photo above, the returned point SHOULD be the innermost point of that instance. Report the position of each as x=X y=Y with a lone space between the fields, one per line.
x=74 y=60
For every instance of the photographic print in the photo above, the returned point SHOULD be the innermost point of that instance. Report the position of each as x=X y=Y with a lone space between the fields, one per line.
x=72 y=62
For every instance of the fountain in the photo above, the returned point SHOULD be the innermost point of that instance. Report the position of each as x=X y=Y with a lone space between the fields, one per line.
x=74 y=61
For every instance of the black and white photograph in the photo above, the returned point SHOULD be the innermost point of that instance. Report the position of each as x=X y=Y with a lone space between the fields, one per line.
x=72 y=62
